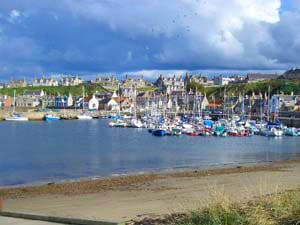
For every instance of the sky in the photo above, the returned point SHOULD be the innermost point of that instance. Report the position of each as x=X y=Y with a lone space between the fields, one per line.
x=149 y=37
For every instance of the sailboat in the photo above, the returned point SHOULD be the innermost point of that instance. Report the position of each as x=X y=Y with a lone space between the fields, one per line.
x=84 y=115
x=16 y=116
x=135 y=123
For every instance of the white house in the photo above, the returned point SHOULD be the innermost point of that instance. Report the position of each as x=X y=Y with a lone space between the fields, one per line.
x=44 y=82
x=71 y=81
x=34 y=94
x=113 y=103
x=220 y=80
x=94 y=103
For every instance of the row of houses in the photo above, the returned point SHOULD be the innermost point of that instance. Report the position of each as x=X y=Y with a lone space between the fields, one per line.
x=44 y=82
x=169 y=84
x=63 y=81
x=142 y=101
x=259 y=103
x=118 y=100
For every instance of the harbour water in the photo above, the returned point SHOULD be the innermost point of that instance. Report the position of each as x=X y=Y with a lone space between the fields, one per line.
x=33 y=152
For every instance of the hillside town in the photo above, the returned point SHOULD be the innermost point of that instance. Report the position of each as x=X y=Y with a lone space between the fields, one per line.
x=135 y=94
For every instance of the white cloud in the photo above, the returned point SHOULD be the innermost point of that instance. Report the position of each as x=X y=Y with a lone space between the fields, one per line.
x=155 y=73
x=207 y=27
x=13 y=15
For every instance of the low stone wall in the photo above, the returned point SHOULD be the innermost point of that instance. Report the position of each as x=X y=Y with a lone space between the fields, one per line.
x=4 y=114
x=33 y=115
x=61 y=220
x=291 y=122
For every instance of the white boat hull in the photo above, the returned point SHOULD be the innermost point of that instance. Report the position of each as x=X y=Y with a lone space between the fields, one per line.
x=84 y=117
x=16 y=119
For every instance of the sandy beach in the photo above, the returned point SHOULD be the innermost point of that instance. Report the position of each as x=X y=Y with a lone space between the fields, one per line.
x=122 y=199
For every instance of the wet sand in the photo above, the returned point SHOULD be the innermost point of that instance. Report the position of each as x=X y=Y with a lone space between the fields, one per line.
x=124 y=198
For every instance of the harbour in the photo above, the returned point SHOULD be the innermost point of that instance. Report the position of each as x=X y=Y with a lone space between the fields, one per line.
x=36 y=151
x=149 y=112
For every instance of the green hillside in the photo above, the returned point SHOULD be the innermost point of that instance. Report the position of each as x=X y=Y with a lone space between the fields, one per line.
x=90 y=89
x=276 y=87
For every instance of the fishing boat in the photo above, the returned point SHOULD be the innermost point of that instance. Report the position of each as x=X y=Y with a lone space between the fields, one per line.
x=159 y=132
x=118 y=123
x=51 y=117
x=291 y=132
x=136 y=123
x=176 y=131
x=224 y=134
x=84 y=116
x=219 y=130
x=16 y=116
x=193 y=133
x=272 y=132
x=205 y=133
x=233 y=131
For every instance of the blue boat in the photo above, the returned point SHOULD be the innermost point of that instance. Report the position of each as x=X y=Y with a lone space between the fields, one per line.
x=50 y=117
x=208 y=123
x=159 y=133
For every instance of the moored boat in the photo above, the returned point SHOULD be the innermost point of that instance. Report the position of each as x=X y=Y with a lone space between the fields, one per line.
x=291 y=132
x=51 y=117
x=159 y=132
x=16 y=117
x=84 y=116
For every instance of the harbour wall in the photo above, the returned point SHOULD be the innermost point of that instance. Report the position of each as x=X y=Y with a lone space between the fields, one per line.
x=288 y=119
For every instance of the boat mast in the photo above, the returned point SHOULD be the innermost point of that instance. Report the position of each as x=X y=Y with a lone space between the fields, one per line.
x=194 y=105
x=119 y=94
x=268 y=112
x=250 y=106
x=224 y=106
x=261 y=117
x=243 y=106
x=14 y=105
x=82 y=98
x=214 y=103
x=135 y=105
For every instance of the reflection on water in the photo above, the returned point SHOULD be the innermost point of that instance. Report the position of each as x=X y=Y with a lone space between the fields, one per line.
x=44 y=151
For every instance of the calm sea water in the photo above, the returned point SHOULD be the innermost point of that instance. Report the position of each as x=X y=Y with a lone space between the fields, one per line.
x=33 y=152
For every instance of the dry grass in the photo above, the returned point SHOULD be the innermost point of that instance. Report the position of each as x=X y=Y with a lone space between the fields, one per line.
x=277 y=209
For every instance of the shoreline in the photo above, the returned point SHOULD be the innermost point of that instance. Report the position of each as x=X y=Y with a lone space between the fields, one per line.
x=89 y=185
x=128 y=198
x=137 y=173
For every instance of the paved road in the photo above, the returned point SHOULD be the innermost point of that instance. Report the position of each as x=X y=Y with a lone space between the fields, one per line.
x=13 y=221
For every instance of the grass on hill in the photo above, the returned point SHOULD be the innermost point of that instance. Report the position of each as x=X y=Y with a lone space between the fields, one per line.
x=89 y=89
x=276 y=87
x=147 y=88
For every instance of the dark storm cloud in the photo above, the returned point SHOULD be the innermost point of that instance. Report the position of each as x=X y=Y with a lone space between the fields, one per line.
x=86 y=37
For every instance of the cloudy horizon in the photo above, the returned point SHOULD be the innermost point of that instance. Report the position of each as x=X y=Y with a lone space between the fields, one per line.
x=149 y=37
